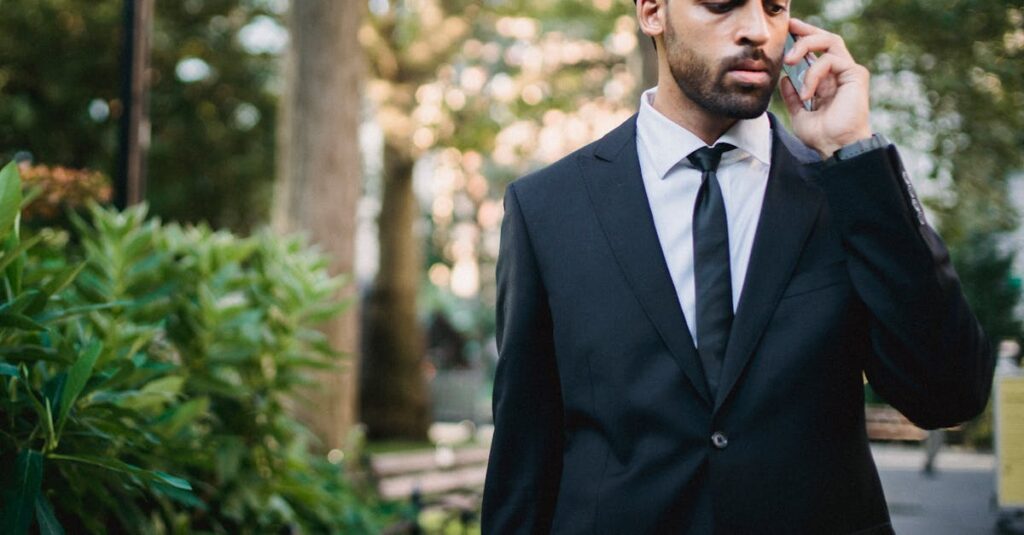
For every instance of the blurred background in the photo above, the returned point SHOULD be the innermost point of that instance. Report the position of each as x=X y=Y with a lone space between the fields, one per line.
x=258 y=237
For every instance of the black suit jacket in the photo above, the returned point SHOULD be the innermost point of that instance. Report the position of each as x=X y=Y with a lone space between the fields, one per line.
x=603 y=418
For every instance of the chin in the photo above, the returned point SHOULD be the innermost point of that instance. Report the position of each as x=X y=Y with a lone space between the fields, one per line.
x=746 y=106
x=746 y=113
x=722 y=97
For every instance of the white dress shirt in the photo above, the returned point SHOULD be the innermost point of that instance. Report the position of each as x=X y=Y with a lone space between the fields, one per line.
x=672 y=184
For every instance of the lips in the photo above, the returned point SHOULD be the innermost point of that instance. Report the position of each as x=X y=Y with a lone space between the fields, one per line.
x=750 y=72
x=750 y=77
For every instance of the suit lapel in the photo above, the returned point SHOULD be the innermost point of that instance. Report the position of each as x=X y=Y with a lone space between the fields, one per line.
x=788 y=213
x=616 y=189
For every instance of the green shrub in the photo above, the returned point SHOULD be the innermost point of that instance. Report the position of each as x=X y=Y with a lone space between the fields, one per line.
x=165 y=350
x=71 y=452
x=238 y=316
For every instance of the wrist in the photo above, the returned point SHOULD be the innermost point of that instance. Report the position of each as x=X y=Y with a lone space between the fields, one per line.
x=856 y=148
x=829 y=148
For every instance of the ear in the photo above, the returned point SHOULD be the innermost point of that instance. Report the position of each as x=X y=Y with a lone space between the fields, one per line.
x=650 y=14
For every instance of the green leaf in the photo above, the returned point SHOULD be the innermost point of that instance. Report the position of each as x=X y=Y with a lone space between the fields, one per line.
x=20 y=496
x=10 y=197
x=18 y=304
x=176 y=418
x=31 y=353
x=19 y=248
x=92 y=288
x=154 y=395
x=51 y=441
x=216 y=385
x=55 y=286
x=38 y=405
x=228 y=456
x=77 y=377
x=53 y=388
x=134 y=400
x=70 y=312
x=48 y=524
x=8 y=370
x=102 y=462
x=174 y=481
x=148 y=476
x=324 y=312
x=170 y=386
x=16 y=268
x=64 y=279
x=20 y=321
x=183 y=497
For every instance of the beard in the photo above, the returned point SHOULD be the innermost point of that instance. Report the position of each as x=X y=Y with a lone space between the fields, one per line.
x=710 y=90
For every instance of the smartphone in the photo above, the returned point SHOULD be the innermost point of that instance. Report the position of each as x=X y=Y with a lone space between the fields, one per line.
x=797 y=72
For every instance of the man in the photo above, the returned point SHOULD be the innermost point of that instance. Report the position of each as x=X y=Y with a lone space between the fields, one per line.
x=687 y=307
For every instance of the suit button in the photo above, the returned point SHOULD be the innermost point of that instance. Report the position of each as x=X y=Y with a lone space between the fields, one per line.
x=719 y=440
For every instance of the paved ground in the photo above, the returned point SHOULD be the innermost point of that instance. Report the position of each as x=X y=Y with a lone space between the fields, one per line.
x=957 y=500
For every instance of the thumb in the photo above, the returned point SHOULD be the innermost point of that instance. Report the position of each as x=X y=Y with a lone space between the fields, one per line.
x=789 y=95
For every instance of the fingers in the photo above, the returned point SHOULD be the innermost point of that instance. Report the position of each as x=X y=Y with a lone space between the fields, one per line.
x=806 y=45
x=793 y=103
x=800 y=28
x=813 y=39
x=823 y=67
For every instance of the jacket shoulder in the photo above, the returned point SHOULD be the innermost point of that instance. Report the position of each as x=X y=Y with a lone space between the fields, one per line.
x=564 y=175
x=551 y=178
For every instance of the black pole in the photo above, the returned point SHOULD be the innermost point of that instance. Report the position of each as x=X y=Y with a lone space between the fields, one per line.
x=125 y=134
x=130 y=183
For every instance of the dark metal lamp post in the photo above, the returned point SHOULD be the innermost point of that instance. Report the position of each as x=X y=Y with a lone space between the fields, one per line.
x=130 y=182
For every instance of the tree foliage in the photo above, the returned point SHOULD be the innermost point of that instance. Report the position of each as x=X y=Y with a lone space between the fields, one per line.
x=949 y=74
x=211 y=157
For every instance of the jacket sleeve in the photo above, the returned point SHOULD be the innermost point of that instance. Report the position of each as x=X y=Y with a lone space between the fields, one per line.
x=525 y=463
x=928 y=356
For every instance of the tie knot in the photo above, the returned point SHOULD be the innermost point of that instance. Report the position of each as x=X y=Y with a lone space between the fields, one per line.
x=706 y=159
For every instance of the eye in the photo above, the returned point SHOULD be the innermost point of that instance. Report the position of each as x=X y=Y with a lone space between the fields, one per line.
x=720 y=7
x=776 y=8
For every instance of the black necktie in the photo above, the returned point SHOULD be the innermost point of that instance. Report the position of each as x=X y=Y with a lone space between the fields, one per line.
x=711 y=273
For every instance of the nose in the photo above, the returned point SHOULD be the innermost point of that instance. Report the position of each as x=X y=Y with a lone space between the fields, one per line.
x=753 y=25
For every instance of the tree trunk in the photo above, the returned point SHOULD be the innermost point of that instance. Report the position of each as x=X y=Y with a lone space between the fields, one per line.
x=393 y=394
x=319 y=177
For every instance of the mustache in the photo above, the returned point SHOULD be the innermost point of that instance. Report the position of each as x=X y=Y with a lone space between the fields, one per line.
x=748 y=55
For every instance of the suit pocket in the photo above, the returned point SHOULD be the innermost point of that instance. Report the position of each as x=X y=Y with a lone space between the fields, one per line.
x=817 y=279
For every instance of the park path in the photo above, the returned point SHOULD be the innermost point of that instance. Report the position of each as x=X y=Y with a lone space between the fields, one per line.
x=956 y=500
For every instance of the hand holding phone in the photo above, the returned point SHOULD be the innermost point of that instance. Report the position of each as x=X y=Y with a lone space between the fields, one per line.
x=841 y=107
x=796 y=73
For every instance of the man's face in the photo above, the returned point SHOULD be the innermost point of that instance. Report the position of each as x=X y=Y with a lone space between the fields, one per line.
x=725 y=55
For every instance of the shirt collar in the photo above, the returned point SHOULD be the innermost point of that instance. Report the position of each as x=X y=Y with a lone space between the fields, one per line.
x=667 y=143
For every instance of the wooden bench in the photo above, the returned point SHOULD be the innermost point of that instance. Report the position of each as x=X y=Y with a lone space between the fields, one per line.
x=431 y=472
x=886 y=423
x=446 y=479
